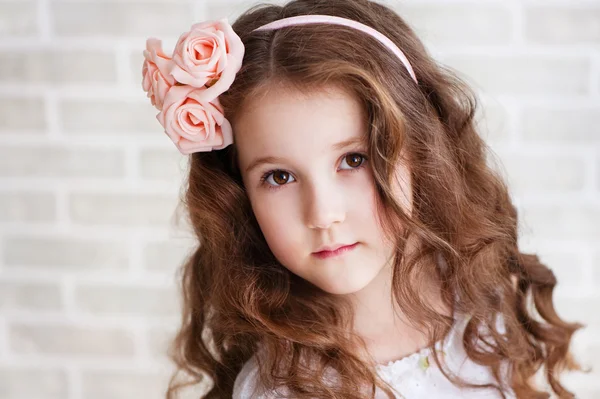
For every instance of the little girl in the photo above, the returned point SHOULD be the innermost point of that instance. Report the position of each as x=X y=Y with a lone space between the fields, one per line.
x=352 y=241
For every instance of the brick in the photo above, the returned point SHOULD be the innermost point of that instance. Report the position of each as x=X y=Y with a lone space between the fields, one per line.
x=596 y=269
x=584 y=385
x=166 y=164
x=136 y=62
x=127 y=299
x=116 y=18
x=493 y=122
x=231 y=10
x=524 y=74
x=557 y=173
x=58 y=161
x=128 y=384
x=70 y=340
x=479 y=24
x=578 y=310
x=563 y=25
x=18 y=19
x=58 y=66
x=65 y=253
x=27 y=207
x=597 y=166
x=573 y=221
x=84 y=116
x=123 y=384
x=22 y=114
x=159 y=340
x=29 y=296
x=121 y=209
x=567 y=125
x=586 y=346
x=16 y=383
x=568 y=267
x=460 y=24
x=166 y=255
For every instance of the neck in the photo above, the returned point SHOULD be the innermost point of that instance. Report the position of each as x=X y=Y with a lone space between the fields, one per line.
x=386 y=330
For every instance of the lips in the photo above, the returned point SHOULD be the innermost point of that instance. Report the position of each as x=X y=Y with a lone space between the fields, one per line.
x=337 y=251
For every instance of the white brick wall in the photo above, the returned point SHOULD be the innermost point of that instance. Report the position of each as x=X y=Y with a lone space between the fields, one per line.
x=89 y=183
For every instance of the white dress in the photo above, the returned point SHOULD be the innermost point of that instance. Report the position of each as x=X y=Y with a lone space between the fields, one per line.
x=414 y=376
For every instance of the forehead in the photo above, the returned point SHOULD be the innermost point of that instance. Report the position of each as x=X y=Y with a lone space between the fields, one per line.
x=284 y=122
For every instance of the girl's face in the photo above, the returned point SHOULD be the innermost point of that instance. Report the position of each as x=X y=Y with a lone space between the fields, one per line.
x=310 y=185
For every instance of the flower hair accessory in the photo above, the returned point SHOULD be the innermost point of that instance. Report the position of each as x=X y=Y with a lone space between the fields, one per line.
x=185 y=87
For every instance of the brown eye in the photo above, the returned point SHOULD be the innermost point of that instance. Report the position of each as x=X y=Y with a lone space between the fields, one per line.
x=281 y=177
x=354 y=160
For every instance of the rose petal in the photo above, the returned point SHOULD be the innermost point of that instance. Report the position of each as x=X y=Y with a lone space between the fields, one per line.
x=156 y=55
x=227 y=133
x=191 y=125
x=220 y=68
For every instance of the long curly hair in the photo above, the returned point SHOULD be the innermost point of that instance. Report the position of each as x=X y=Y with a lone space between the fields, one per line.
x=237 y=298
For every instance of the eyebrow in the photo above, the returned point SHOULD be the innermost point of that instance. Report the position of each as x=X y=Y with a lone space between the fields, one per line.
x=337 y=146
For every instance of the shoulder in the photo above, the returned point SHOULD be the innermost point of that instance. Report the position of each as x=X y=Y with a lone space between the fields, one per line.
x=247 y=383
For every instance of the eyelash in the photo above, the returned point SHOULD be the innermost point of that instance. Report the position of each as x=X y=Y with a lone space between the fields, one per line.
x=272 y=187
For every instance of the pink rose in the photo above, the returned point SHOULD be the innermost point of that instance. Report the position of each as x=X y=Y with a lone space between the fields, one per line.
x=192 y=123
x=208 y=56
x=156 y=77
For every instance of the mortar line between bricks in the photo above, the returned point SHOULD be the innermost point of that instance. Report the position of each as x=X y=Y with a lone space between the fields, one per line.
x=2 y=267
x=51 y=114
x=200 y=10
x=131 y=94
x=518 y=14
x=592 y=158
x=96 y=43
x=88 y=142
x=141 y=345
x=588 y=269
x=123 y=64
x=3 y=338
x=559 y=3
x=136 y=269
x=89 y=363
x=62 y=209
x=99 y=185
x=95 y=93
x=43 y=21
x=101 y=322
x=74 y=383
x=111 y=233
x=513 y=112
x=132 y=162
x=595 y=75
x=67 y=294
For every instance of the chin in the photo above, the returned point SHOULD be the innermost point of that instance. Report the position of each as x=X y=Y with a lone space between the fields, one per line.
x=345 y=288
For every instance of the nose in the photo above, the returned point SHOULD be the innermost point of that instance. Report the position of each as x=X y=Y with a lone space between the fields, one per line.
x=324 y=205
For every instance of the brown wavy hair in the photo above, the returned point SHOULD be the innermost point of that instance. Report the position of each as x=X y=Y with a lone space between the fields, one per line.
x=237 y=297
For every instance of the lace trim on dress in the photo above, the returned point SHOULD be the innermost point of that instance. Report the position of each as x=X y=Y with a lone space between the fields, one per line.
x=422 y=358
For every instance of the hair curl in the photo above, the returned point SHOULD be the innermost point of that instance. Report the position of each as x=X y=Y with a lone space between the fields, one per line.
x=237 y=298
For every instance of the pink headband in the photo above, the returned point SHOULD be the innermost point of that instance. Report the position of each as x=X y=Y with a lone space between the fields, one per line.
x=330 y=19
x=185 y=86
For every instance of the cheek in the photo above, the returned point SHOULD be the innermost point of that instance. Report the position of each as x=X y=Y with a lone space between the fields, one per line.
x=364 y=202
x=367 y=220
x=276 y=222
